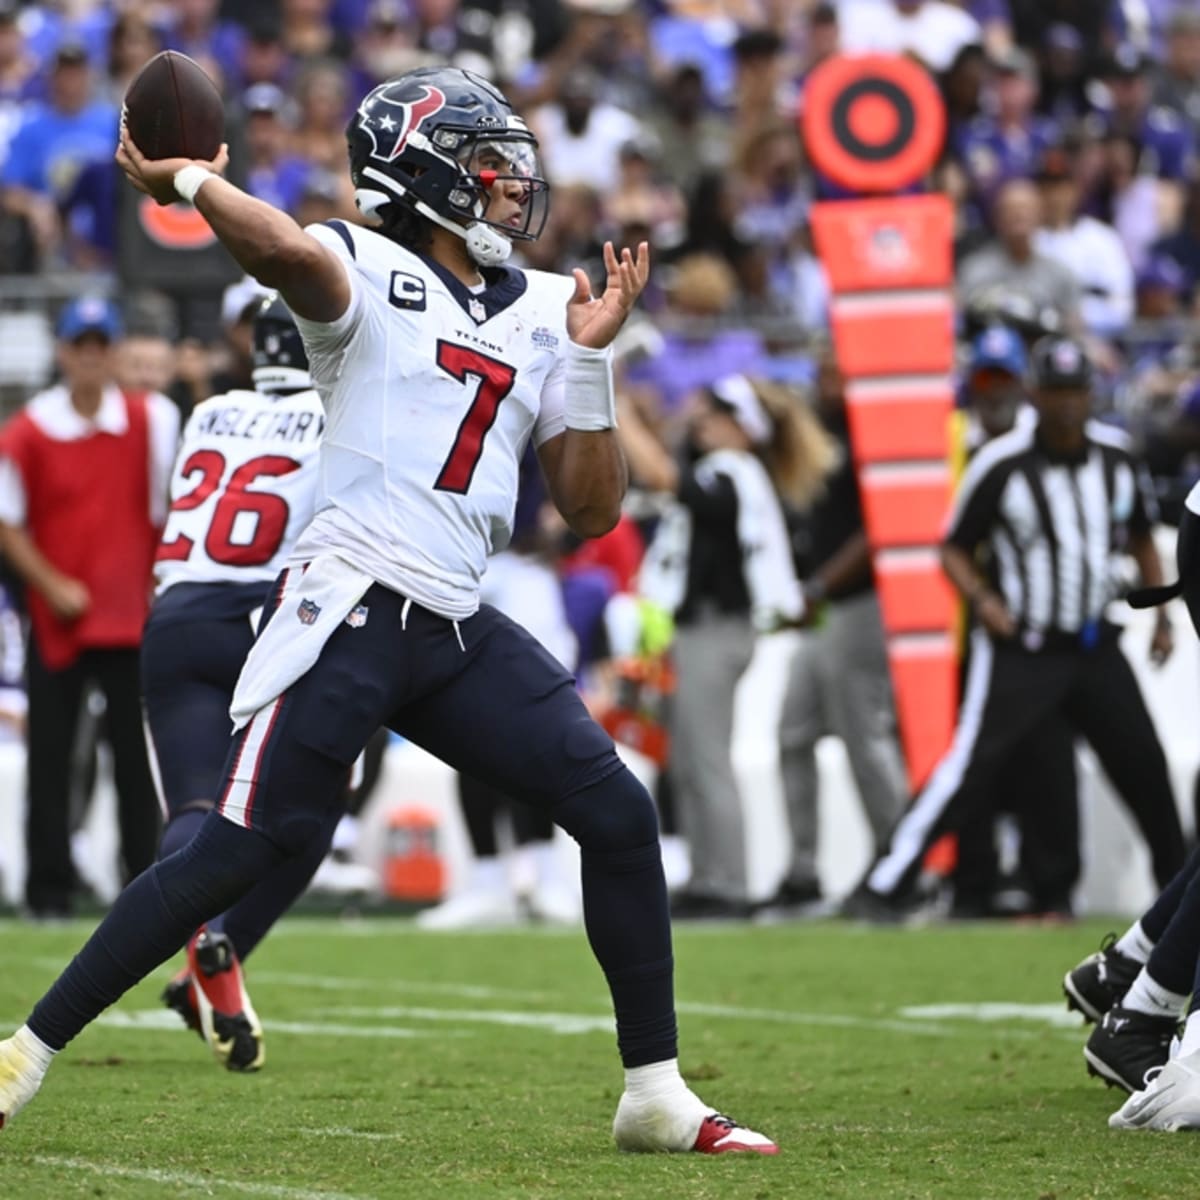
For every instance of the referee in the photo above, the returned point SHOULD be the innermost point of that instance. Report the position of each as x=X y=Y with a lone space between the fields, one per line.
x=1055 y=502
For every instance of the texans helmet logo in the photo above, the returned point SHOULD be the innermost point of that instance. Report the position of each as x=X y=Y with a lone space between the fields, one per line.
x=390 y=134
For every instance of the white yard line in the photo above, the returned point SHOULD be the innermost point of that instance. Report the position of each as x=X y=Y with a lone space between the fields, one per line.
x=990 y=1012
x=204 y=1184
x=554 y=1022
x=336 y=983
x=156 y=1020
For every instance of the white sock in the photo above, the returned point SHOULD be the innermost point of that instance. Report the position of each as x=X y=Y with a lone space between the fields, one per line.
x=1134 y=943
x=1191 y=1035
x=29 y=1043
x=657 y=1081
x=489 y=875
x=1147 y=996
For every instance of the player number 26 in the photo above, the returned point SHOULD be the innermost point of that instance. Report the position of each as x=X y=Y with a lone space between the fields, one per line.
x=269 y=511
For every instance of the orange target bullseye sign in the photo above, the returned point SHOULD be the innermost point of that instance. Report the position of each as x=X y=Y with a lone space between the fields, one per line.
x=872 y=124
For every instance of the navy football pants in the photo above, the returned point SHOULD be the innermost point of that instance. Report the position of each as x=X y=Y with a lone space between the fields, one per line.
x=189 y=668
x=487 y=699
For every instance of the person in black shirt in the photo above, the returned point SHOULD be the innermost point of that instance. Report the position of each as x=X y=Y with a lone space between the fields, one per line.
x=1037 y=785
x=721 y=562
x=1056 y=501
x=838 y=681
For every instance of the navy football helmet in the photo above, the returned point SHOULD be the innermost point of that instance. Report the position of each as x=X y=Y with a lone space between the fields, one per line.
x=436 y=141
x=280 y=363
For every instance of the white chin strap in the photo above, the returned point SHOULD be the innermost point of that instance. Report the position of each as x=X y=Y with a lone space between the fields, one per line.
x=487 y=246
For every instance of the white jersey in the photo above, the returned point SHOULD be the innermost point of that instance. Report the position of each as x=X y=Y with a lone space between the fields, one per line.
x=243 y=488
x=432 y=394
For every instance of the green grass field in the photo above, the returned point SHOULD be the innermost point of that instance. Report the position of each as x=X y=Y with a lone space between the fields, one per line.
x=933 y=1063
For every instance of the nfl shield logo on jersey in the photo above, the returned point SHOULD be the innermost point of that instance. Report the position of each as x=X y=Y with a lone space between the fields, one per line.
x=308 y=612
x=477 y=311
x=356 y=618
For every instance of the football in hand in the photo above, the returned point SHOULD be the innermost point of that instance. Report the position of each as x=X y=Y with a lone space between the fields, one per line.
x=173 y=109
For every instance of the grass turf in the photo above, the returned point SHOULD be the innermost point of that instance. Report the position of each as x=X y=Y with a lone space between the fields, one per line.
x=471 y=1067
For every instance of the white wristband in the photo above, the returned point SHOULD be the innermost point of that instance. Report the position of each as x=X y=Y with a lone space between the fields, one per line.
x=591 y=403
x=188 y=181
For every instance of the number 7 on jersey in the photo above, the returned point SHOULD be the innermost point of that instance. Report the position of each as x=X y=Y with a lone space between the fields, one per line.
x=492 y=380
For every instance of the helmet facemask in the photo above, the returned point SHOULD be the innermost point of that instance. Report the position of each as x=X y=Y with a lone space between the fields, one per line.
x=448 y=176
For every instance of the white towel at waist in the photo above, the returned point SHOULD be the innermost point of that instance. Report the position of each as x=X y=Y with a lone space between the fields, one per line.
x=314 y=603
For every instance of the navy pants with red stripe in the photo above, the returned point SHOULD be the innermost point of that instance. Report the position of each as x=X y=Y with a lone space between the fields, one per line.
x=486 y=698
x=193 y=648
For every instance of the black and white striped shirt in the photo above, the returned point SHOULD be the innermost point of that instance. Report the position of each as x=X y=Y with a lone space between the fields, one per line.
x=1054 y=526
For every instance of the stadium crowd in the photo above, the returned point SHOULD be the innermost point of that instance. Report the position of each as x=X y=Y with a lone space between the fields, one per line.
x=1070 y=155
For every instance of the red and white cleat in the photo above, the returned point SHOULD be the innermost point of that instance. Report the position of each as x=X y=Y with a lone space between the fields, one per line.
x=722 y=1135
x=682 y=1123
x=227 y=1018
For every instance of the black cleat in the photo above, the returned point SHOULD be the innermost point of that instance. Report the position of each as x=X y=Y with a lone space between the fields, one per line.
x=180 y=996
x=863 y=904
x=1126 y=1045
x=1100 y=981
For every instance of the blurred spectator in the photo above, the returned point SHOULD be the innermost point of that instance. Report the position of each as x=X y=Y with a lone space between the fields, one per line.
x=52 y=145
x=1160 y=288
x=995 y=22
x=1165 y=144
x=144 y=361
x=758 y=95
x=1184 y=246
x=1011 y=264
x=83 y=489
x=1132 y=202
x=695 y=350
x=264 y=58
x=132 y=43
x=323 y=197
x=1177 y=79
x=194 y=29
x=1088 y=248
x=1062 y=95
x=581 y=138
x=838 y=681
x=773 y=202
x=1092 y=20
x=307 y=32
x=641 y=185
x=386 y=45
x=608 y=36
x=721 y=563
x=273 y=172
x=18 y=74
x=322 y=95
x=963 y=90
x=823 y=36
x=1008 y=141
x=693 y=139
x=932 y=30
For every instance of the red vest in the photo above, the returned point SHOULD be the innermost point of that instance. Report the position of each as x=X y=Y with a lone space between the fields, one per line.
x=88 y=512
